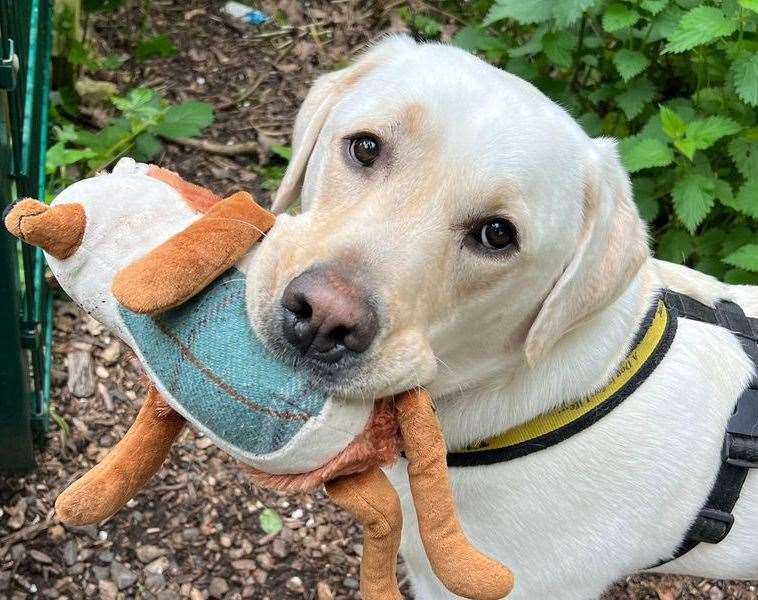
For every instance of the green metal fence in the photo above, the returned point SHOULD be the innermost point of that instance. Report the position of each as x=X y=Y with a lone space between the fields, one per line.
x=25 y=303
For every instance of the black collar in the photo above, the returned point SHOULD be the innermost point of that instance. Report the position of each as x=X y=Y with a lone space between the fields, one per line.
x=650 y=345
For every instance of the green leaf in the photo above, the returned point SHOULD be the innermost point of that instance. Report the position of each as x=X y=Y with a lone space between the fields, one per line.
x=427 y=26
x=693 y=197
x=744 y=77
x=104 y=139
x=474 y=39
x=702 y=134
x=630 y=63
x=159 y=46
x=745 y=157
x=745 y=257
x=639 y=153
x=535 y=11
x=746 y=200
x=59 y=155
x=284 y=152
x=140 y=103
x=749 y=4
x=707 y=132
x=270 y=521
x=567 y=12
x=532 y=46
x=618 y=16
x=558 y=47
x=738 y=236
x=634 y=99
x=148 y=146
x=740 y=277
x=664 y=24
x=673 y=125
x=644 y=196
x=676 y=246
x=710 y=242
x=654 y=6
x=700 y=25
x=185 y=120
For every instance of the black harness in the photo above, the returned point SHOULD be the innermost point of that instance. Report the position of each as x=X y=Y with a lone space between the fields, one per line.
x=739 y=453
x=740 y=449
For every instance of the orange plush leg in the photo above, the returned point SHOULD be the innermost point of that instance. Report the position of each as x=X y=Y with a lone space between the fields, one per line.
x=170 y=274
x=127 y=467
x=58 y=230
x=462 y=569
x=372 y=500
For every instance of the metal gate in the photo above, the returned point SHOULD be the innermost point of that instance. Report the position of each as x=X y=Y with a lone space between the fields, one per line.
x=25 y=303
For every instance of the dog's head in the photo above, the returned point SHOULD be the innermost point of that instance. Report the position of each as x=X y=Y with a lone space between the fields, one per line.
x=454 y=221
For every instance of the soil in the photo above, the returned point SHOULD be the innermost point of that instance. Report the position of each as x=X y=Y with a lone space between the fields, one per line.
x=196 y=531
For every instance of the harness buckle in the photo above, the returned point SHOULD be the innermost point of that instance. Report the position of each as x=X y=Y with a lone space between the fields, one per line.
x=740 y=447
x=711 y=526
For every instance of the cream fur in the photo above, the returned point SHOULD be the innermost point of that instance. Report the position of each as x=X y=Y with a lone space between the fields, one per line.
x=500 y=341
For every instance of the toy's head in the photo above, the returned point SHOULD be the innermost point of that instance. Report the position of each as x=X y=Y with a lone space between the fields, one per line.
x=200 y=350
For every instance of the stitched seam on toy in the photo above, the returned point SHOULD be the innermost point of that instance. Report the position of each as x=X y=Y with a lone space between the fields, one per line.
x=190 y=356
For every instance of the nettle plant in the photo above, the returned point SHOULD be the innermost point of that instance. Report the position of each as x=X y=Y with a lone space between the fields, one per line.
x=676 y=81
x=143 y=119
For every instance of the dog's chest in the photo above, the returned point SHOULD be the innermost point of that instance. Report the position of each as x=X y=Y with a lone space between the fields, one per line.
x=613 y=499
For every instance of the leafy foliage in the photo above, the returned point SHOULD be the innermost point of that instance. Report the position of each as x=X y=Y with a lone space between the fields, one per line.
x=676 y=81
x=271 y=522
x=142 y=119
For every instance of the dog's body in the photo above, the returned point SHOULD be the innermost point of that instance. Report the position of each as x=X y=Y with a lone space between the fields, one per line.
x=501 y=335
x=619 y=496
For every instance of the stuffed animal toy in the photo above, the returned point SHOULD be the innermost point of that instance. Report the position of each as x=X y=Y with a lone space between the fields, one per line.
x=164 y=263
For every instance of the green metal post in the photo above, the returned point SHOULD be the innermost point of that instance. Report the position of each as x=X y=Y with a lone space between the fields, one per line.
x=16 y=454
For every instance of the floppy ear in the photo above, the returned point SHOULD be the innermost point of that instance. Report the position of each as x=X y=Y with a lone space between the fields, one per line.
x=612 y=247
x=321 y=98
x=326 y=91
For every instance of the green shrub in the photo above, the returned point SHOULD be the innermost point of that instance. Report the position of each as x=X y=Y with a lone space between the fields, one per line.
x=143 y=119
x=675 y=80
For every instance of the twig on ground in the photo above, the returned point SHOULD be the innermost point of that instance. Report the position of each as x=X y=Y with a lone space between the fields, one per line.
x=216 y=148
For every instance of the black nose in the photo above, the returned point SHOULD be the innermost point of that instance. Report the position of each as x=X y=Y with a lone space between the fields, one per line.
x=326 y=316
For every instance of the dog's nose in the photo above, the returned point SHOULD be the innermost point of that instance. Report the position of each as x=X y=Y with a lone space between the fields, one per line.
x=327 y=316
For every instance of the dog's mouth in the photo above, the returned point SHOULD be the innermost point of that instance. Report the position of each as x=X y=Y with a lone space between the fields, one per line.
x=377 y=445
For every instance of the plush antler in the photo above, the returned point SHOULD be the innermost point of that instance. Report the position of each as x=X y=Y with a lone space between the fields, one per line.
x=371 y=499
x=183 y=265
x=460 y=567
x=126 y=469
x=58 y=230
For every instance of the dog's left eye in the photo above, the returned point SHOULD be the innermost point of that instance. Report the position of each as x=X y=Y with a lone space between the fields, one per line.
x=494 y=234
x=365 y=149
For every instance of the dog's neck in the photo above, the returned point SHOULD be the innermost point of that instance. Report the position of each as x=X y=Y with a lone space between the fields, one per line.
x=580 y=363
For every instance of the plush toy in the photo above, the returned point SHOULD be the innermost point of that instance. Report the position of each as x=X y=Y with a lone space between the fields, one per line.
x=164 y=263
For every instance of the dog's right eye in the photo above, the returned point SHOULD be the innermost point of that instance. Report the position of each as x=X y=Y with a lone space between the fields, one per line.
x=365 y=149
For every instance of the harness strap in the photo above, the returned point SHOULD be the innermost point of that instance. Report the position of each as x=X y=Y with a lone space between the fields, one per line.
x=740 y=449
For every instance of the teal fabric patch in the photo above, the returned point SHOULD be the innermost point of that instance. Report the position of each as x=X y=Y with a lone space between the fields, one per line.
x=206 y=355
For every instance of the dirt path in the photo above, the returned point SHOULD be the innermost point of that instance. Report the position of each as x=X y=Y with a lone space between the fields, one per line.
x=196 y=531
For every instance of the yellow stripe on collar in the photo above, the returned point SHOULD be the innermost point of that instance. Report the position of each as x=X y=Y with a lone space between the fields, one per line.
x=551 y=423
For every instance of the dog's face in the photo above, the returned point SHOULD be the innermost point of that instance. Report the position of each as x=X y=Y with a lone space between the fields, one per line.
x=455 y=224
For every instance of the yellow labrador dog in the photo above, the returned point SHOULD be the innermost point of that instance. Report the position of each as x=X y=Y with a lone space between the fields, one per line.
x=461 y=232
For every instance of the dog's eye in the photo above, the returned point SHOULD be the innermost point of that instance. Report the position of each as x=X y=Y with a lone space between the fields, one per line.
x=365 y=149
x=495 y=234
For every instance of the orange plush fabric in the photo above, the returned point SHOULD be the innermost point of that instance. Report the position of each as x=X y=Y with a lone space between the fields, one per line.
x=199 y=198
x=371 y=499
x=126 y=469
x=172 y=273
x=57 y=230
x=459 y=566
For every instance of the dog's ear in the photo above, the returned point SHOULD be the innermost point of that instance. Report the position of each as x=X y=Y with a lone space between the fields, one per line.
x=324 y=94
x=611 y=249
